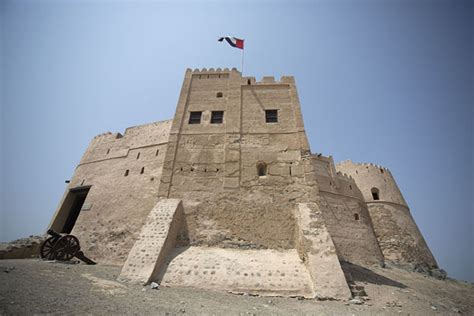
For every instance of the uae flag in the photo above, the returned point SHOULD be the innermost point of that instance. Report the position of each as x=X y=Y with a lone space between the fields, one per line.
x=233 y=41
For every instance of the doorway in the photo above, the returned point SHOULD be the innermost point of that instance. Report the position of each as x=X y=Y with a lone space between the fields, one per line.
x=70 y=210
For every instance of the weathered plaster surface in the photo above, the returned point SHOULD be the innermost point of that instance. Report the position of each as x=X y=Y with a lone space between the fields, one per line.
x=303 y=201
x=157 y=239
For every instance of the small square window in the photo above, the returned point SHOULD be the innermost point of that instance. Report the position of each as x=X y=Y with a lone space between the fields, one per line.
x=217 y=117
x=271 y=116
x=195 y=117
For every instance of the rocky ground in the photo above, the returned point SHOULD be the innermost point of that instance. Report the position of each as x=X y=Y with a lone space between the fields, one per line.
x=32 y=286
x=22 y=248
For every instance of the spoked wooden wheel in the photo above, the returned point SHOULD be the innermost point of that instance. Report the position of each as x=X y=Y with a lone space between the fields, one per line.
x=47 y=247
x=66 y=247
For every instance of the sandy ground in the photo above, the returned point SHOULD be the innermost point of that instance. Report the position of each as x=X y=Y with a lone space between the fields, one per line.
x=32 y=286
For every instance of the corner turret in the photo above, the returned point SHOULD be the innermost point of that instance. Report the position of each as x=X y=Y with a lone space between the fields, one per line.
x=397 y=233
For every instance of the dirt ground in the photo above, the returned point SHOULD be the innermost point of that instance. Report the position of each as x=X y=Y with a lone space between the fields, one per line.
x=32 y=286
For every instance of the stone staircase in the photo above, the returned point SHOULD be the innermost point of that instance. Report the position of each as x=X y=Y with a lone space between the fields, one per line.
x=357 y=291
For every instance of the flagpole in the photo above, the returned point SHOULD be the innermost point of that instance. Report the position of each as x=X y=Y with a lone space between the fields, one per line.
x=242 y=64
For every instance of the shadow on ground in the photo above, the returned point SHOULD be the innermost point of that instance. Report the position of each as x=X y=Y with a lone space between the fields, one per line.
x=361 y=274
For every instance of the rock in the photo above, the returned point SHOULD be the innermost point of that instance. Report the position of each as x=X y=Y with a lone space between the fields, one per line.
x=154 y=286
x=356 y=301
x=439 y=274
x=182 y=310
x=8 y=269
x=434 y=307
x=393 y=304
x=455 y=310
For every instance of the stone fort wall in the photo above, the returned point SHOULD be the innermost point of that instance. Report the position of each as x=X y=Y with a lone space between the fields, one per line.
x=213 y=167
x=398 y=235
x=345 y=213
x=123 y=174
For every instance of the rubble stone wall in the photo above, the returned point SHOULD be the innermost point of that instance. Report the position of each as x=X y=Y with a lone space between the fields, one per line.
x=398 y=235
x=345 y=214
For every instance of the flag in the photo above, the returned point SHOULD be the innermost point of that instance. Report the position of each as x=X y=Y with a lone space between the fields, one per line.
x=233 y=41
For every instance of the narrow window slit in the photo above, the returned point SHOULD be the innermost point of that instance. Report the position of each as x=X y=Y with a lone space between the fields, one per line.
x=261 y=169
x=375 y=194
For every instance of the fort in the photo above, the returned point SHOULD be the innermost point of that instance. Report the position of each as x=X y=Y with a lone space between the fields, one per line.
x=228 y=196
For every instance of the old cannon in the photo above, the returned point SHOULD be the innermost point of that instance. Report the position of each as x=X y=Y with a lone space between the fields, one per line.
x=63 y=248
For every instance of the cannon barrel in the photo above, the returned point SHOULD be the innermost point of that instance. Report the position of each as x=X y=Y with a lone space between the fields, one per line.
x=53 y=233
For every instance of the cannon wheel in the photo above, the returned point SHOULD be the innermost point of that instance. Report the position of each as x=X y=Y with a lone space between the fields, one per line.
x=47 y=247
x=66 y=247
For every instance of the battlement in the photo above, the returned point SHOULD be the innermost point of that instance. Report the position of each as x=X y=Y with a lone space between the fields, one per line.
x=110 y=145
x=212 y=73
x=363 y=164
x=211 y=70
x=345 y=176
x=271 y=80
x=129 y=130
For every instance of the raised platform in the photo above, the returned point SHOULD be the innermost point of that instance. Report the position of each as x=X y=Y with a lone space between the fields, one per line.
x=263 y=272
x=312 y=270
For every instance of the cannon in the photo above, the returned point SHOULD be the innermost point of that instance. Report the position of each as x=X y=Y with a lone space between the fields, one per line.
x=62 y=248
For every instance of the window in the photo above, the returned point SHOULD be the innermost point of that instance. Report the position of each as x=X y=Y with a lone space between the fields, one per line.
x=217 y=117
x=138 y=155
x=271 y=116
x=157 y=152
x=248 y=82
x=126 y=173
x=261 y=169
x=375 y=194
x=219 y=95
x=195 y=117
x=356 y=216
x=143 y=170
x=108 y=151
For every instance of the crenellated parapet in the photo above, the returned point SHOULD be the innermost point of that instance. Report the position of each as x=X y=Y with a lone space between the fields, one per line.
x=396 y=231
x=376 y=182
x=270 y=80
x=114 y=145
x=224 y=73
x=210 y=70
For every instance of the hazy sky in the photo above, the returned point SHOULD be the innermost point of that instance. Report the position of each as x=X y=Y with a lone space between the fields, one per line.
x=389 y=82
